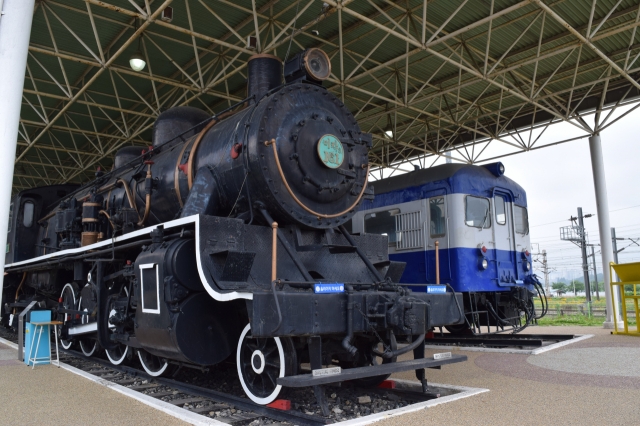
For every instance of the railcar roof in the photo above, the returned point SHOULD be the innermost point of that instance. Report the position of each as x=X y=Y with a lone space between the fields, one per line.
x=458 y=178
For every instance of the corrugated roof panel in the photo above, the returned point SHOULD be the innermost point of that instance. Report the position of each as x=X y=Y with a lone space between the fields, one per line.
x=431 y=109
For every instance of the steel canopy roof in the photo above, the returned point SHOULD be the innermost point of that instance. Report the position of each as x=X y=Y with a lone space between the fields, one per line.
x=425 y=77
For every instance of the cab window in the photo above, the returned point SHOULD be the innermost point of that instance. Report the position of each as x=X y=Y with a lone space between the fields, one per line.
x=27 y=216
x=521 y=220
x=10 y=216
x=437 y=218
x=477 y=212
x=501 y=215
x=383 y=223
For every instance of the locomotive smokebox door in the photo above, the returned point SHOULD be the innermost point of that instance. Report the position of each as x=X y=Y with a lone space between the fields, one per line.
x=313 y=158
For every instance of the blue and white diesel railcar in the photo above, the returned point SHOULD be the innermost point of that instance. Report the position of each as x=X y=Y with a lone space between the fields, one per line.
x=478 y=219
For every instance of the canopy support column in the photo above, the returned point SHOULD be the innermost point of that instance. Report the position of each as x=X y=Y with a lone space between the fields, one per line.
x=15 y=31
x=602 y=202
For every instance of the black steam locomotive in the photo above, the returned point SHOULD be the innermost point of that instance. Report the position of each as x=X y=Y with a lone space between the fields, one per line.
x=225 y=236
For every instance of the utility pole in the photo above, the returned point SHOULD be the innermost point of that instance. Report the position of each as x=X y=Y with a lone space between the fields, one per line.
x=545 y=267
x=585 y=267
x=595 y=272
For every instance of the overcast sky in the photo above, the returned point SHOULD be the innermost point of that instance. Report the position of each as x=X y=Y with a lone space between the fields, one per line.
x=558 y=179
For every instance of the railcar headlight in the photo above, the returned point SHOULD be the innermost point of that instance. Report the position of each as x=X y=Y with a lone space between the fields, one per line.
x=484 y=264
x=527 y=265
x=317 y=64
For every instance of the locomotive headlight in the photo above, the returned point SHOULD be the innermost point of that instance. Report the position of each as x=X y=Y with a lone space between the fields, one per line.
x=527 y=265
x=317 y=64
x=484 y=264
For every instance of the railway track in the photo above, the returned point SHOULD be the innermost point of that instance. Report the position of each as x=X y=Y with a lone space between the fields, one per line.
x=345 y=402
x=223 y=407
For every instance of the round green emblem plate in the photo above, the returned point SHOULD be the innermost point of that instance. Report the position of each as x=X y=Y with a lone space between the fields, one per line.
x=330 y=151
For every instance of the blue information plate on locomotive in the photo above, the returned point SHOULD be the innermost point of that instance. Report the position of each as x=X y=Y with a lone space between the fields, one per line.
x=436 y=289
x=322 y=288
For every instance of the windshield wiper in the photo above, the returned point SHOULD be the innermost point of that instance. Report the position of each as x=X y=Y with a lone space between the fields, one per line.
x=486 y=216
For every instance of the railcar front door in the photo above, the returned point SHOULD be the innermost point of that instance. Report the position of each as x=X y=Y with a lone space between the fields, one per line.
x=436 y=230
x=504 y=239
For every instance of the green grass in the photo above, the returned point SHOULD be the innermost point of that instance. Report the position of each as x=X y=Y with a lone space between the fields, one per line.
x=558 y=303
x=582 y=320
x=570 y=300
x=571 y=320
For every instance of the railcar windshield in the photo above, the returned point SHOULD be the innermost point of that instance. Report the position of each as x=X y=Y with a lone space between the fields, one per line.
x=383 y=223
x=521 y=219
x=437 y=217
x=477 y=212
x=501 y=215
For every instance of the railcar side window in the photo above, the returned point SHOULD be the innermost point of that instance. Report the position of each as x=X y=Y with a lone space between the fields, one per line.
x=383 y=223
x=27 y=216
x=521 y=219
x=501 y=216
x=437 y=226
x=477 y=212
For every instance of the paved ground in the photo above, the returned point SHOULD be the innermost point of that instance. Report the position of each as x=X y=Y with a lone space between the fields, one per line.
x=592 y=382
x=49 y=395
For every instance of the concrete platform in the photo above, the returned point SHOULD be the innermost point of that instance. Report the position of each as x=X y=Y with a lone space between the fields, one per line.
x=591 y=382
x=49 y=395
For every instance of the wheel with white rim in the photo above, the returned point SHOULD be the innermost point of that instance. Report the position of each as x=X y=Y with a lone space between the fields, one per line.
x=68 y=297
x=260 y=362
x=88 y=345
x=152 y=364
x=118 y=354
x=120 y=351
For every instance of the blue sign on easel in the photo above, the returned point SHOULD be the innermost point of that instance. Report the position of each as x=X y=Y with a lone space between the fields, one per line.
x=43 y=348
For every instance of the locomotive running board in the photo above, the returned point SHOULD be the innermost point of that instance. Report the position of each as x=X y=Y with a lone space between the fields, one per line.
x=304 y=380
x=92 y=327
x=83 y=329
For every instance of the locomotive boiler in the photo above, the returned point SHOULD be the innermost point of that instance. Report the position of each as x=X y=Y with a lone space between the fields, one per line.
x=225 y=237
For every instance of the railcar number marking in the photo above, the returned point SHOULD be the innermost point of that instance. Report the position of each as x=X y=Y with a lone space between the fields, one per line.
x=330 y=151
x=444 y=355
x=328 y=288
x=331 y=371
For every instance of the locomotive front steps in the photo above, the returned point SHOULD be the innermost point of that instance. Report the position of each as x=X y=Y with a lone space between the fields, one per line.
x=303 y=380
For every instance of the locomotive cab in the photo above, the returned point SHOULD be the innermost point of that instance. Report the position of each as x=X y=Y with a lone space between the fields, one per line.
x=24 y=236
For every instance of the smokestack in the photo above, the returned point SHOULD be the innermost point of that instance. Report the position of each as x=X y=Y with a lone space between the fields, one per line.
x=264 y=74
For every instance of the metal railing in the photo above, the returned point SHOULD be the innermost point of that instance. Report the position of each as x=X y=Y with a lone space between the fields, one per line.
x=629 y=276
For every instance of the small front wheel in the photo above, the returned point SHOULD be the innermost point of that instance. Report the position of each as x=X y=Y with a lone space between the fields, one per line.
x=261 y=361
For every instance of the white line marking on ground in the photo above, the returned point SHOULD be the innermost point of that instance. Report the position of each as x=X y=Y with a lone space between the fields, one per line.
x=465 y=392
x=536 y=351
x=8 y=343
x=165 y=407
